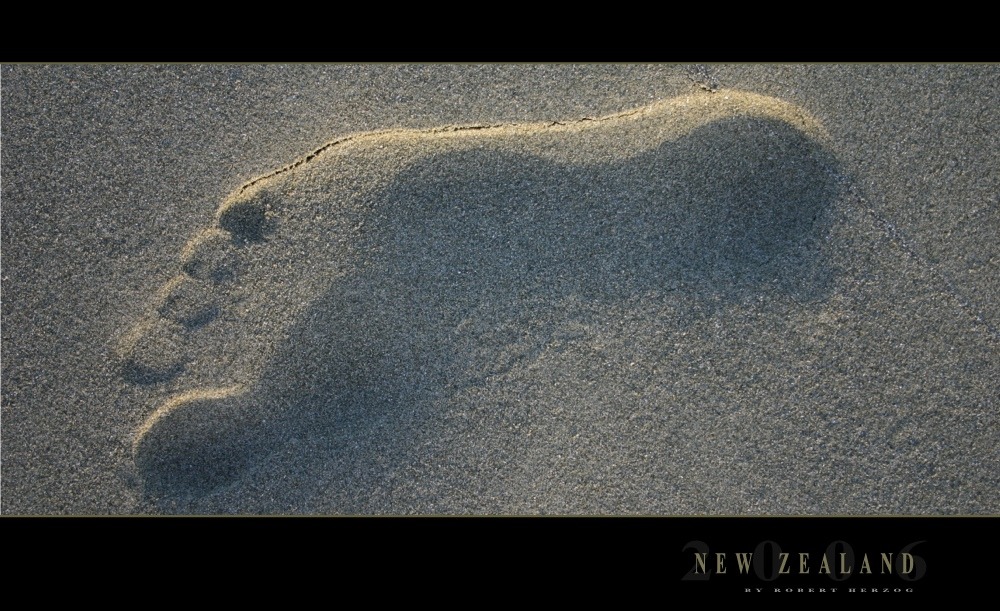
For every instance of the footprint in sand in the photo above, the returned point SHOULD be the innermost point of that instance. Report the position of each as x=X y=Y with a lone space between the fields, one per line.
x=730 y=182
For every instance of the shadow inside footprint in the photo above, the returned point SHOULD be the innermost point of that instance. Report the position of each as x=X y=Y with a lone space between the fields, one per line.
x=734 y=206
x=203 y=441
x=248 y=222
x=471 y=261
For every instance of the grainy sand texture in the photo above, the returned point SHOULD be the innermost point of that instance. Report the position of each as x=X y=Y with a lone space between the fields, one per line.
x=500 y=289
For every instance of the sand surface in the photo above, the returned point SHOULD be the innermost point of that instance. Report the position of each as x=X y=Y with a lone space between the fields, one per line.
x=532 y=289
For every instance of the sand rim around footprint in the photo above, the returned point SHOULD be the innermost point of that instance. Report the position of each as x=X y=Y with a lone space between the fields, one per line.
x=283 y=241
